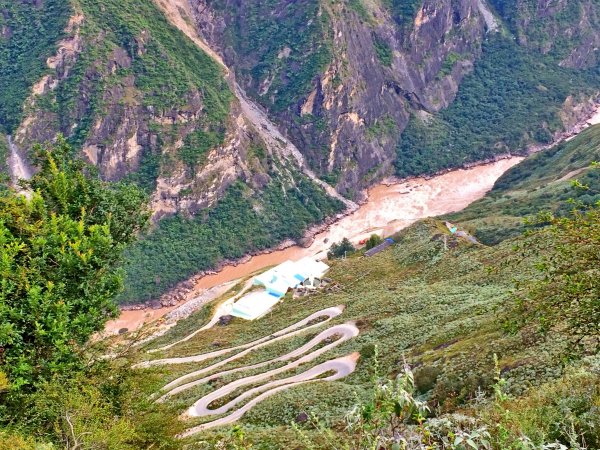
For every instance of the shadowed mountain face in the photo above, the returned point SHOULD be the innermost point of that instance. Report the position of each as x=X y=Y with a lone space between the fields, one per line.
x=203 y=102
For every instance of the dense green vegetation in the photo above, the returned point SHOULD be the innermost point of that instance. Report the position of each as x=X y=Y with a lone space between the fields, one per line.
x=242 y=222
x=168 y=67
x=383 y=51
x=509 y=101
x=541 y=183
x=263 y=33
x=403 y=11
x=30 y=32
x=60 y=265
x=196 y=146
x=341 y=249
x=568 y=293
x=555 y=30
x=359 y=7
x=60 y=253
x=4 y=155
x=373 y=241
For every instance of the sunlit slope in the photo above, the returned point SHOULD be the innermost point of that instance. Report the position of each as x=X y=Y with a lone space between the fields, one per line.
x=543 y=182
x=434 y=300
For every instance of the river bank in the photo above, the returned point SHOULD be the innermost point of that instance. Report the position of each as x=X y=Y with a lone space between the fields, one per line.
x=389 y=207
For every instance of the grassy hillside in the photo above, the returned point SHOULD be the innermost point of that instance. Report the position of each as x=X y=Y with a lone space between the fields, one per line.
x=542 y=182
x=445 y=310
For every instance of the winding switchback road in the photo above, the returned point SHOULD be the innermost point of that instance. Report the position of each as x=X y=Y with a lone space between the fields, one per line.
x=341 y=366
x=345 y=331
x=292 y=330
x=321 y=343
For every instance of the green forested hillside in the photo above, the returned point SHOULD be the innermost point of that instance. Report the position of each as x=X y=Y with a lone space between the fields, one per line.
x=555 y=31
x=241 y=223
x=167 y=69
x=30 y=32
x=541 y=183
x=510 y=100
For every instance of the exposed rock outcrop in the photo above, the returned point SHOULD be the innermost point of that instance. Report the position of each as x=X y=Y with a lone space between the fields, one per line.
x=350 y=118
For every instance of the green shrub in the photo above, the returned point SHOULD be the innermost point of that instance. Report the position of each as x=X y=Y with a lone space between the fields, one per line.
x=341 y=249
x=373 y=241
x=383 y=51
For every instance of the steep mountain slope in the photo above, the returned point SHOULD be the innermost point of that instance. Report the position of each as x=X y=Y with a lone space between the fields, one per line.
x=345 y=78
x=568 y=31
x=541 y=183
x=341 y=77
x=201 y=101
x=29 y=32
x=435 y=301
x=143 y=103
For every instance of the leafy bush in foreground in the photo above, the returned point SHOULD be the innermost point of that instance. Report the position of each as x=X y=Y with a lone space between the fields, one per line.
x=59 y=265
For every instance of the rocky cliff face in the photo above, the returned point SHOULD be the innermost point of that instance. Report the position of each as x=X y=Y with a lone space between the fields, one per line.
x=136 y=103
x=340 y=79
x=372 y=67
x=180 y=134
x=219 y=106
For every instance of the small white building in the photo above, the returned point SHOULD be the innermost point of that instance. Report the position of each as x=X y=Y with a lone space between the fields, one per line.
x=254 y=305
x=290 y=275
x=277 y=281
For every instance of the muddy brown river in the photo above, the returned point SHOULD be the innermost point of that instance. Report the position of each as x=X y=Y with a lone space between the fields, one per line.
x=389 y=208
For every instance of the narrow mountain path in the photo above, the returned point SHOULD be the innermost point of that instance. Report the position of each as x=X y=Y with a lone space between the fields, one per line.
x=179 y=13
x=222 y=310
x=201 y=407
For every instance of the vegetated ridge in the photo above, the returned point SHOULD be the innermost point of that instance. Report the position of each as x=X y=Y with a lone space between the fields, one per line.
x=345 y=91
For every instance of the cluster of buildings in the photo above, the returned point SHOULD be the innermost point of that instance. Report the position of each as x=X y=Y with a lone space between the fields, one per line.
x=275 y=283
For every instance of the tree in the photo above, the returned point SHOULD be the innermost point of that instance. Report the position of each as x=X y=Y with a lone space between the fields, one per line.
x=340 y=249
x=373 y=241
x=60 y=252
